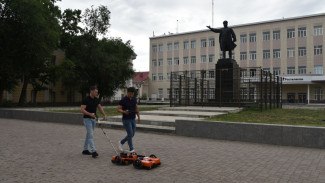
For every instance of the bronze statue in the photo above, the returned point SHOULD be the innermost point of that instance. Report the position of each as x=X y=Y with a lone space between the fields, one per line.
x=227 y=38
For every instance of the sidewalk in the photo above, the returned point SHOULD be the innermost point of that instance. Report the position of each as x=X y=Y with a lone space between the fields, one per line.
x=48 y=152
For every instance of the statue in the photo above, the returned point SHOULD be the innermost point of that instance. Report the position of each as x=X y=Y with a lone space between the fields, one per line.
x=227 y=38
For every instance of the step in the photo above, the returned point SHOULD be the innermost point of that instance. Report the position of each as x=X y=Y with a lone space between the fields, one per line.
x=189 y=114
x=140 y=127
x=203 y=109
x=154 y=120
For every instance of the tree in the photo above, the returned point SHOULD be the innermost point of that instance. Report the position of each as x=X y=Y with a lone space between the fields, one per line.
x=97 y=20
x=106 y=62
x=8 y=75
x=32 y=33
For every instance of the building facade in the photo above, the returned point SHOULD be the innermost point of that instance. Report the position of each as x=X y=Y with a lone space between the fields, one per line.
x=291 y=48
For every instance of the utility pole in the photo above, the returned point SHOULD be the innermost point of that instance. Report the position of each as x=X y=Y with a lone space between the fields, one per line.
x=212 y=11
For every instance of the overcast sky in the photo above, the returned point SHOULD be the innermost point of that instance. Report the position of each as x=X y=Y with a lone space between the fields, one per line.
x=136 y=20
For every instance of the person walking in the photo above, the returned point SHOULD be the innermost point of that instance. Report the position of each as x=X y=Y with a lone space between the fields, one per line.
x=129 y=108
x=88 y=108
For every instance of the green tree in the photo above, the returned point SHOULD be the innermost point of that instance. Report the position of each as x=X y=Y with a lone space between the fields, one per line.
x=106 y=62
x=8 y=75
x=32 y=26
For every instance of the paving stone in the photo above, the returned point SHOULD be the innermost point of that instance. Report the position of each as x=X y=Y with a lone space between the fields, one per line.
x=50 y=152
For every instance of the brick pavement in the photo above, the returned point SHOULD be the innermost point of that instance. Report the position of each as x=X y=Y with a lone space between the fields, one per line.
x=48 y=152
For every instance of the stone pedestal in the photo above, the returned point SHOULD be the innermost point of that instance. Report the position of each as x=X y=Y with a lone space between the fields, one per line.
x=227 y=82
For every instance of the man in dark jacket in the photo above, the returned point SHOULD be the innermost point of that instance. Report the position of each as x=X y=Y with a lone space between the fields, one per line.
x=227 y=38
x=129 y=108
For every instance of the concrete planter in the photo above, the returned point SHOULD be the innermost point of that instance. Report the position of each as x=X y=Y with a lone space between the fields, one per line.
x=286 y=135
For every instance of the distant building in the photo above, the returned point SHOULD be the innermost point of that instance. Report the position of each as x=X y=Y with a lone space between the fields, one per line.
x=290 y=47
x=141 y=83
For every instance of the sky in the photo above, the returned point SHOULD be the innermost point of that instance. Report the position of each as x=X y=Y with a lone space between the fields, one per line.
x=138 y=20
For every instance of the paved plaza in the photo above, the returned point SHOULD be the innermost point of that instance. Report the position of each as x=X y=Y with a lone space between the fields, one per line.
x=48 y=152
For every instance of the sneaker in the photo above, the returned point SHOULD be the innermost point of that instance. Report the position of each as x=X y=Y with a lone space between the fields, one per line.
x=120 y=146
x=94 y=154
x=133 y=151
x=86 y=152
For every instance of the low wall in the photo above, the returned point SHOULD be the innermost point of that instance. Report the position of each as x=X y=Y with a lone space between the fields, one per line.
x=301 y=136
x=54 y=117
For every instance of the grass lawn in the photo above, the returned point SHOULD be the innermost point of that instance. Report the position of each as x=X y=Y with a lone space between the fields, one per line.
x=109 y=111
x=305 y=117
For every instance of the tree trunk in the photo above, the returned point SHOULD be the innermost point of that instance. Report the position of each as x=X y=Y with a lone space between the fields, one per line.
x=23 y=94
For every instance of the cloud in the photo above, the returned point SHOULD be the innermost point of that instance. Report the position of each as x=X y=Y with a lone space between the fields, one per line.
x=136 y=20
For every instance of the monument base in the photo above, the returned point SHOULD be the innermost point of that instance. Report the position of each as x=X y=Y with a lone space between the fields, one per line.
x=227 y=82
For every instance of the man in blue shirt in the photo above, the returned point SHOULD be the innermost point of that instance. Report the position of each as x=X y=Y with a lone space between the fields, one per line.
x=129 y=108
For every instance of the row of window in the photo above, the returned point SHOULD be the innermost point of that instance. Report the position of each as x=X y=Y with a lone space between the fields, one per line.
x=186 y=60
x=302 y=51
x=252 y=72
x=291 y=33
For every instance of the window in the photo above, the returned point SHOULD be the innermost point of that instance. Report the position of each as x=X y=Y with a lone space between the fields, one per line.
x=168 y=76
x=211 y=42
x=233 y=56
x=318 y=93
x=243 y=73
x=203 y=74
x=161 y=48
x=203 y=43
x=302 y=51
x=211 y=58
x=154 y=77
x=291 y=52
x=176 y=61
x=302 y=70
x=318 y=50
x=302 y=32
x=318 y=69
x=252 y=55
x=193 y=44
x=168 y=93
x=243 y=55
x=160 y=62
x=186 y=45
x=154 y=48
x=221 y=55
x=193 y=59
x=252 y=72
x=290 y=33
x=211 y=74
x=243 y=38
x=160 y=77
x=203 y=59
x=185 y=60
x=160 y=93
x=176 y=46
x=266 y=54
x=318 y=30
x=276 y=71
x=193 y=74
x=169 y=61
x=154 y=63
x=266 y=70
x=276 y=35
x=266 y=36
x=291 y=70
x=276 y=53
x=169 y=47
x=252 y=37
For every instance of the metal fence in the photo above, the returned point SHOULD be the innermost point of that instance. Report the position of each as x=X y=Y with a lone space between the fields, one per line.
x=249 y=86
